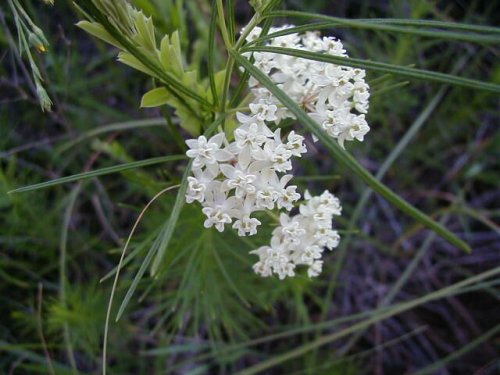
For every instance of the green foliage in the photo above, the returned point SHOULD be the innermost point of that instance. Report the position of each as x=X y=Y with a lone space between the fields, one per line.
x=200 y=308
x=165 y=63
x=83 y=313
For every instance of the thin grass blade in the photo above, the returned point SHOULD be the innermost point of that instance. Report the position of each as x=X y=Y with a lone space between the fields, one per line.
x=99 y=172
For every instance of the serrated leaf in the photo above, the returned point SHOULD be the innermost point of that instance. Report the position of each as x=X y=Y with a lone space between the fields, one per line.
x=156 y=98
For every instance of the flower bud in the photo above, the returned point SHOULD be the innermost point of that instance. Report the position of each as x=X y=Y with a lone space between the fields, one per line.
x=37 y=42
x=43 y=97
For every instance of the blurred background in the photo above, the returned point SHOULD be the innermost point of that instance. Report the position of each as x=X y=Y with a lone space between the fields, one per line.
x=203 y=311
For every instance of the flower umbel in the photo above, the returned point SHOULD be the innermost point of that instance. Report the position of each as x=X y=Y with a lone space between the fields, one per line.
x=301 y=239
x=234 y=179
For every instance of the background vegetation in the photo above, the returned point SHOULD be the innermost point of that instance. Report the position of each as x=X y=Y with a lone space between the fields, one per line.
x=391 y=300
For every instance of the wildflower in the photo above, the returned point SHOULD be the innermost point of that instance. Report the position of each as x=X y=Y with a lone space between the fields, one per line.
x=300 y=240
x=335 y=96
x=207 y=152
x=233 y=180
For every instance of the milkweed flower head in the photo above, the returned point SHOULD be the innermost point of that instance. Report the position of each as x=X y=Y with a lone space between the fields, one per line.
x=336 y=97
x=301 y=239
x=248 y=171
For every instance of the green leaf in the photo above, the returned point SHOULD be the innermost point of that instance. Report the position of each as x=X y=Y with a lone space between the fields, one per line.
x=175 y=50
x=434 y=367
x=381 y=26
x=156 y=98
x=97 y=30
x=99 y=172
x=345 y=158
x=367 y=22
x=174 y=216
x=130 y=60
x=170 y=55
x=413 y=73
x=136 y=58
x=211 y=54
x=145 y=29
x=118 y=126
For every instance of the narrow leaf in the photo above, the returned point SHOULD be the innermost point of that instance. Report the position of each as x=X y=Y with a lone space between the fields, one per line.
x=211 y=53
x=380 y=26
x=390 y=21
x=174 y=216
x=99 y=172
x=419 y=74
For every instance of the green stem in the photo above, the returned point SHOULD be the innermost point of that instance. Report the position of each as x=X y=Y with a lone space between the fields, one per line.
x=239 y=43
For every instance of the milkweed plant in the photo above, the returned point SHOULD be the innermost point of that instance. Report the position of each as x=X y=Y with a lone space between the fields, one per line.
x=246 y=167
x=295 y=86
x=244 y=121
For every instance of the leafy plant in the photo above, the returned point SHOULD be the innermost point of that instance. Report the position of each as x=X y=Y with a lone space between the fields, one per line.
x=201 y=306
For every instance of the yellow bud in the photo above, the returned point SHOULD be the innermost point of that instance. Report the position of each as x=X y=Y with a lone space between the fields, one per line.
x=38 y=43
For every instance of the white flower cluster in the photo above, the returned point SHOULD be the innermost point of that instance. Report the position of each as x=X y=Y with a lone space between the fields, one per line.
x=234 y=179
x=301 y=239
x=335 y=96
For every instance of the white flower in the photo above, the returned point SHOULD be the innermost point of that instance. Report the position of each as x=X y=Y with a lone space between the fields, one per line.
x=278 y=155
x=246 y=225
x=198 y=185
x=263 y=111
x=315 y=269
x=333 y=94
x=286 y=197
x=300 y=240
x=196 y=190
x=207 y=152
x=253 y=34
x=310 y=253
x=327 y=237
x=290 y=230
x=216 y=216
x=239 y=180
x=251 y=138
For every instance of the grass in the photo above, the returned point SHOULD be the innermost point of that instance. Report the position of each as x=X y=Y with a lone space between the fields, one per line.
x=394 y=298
